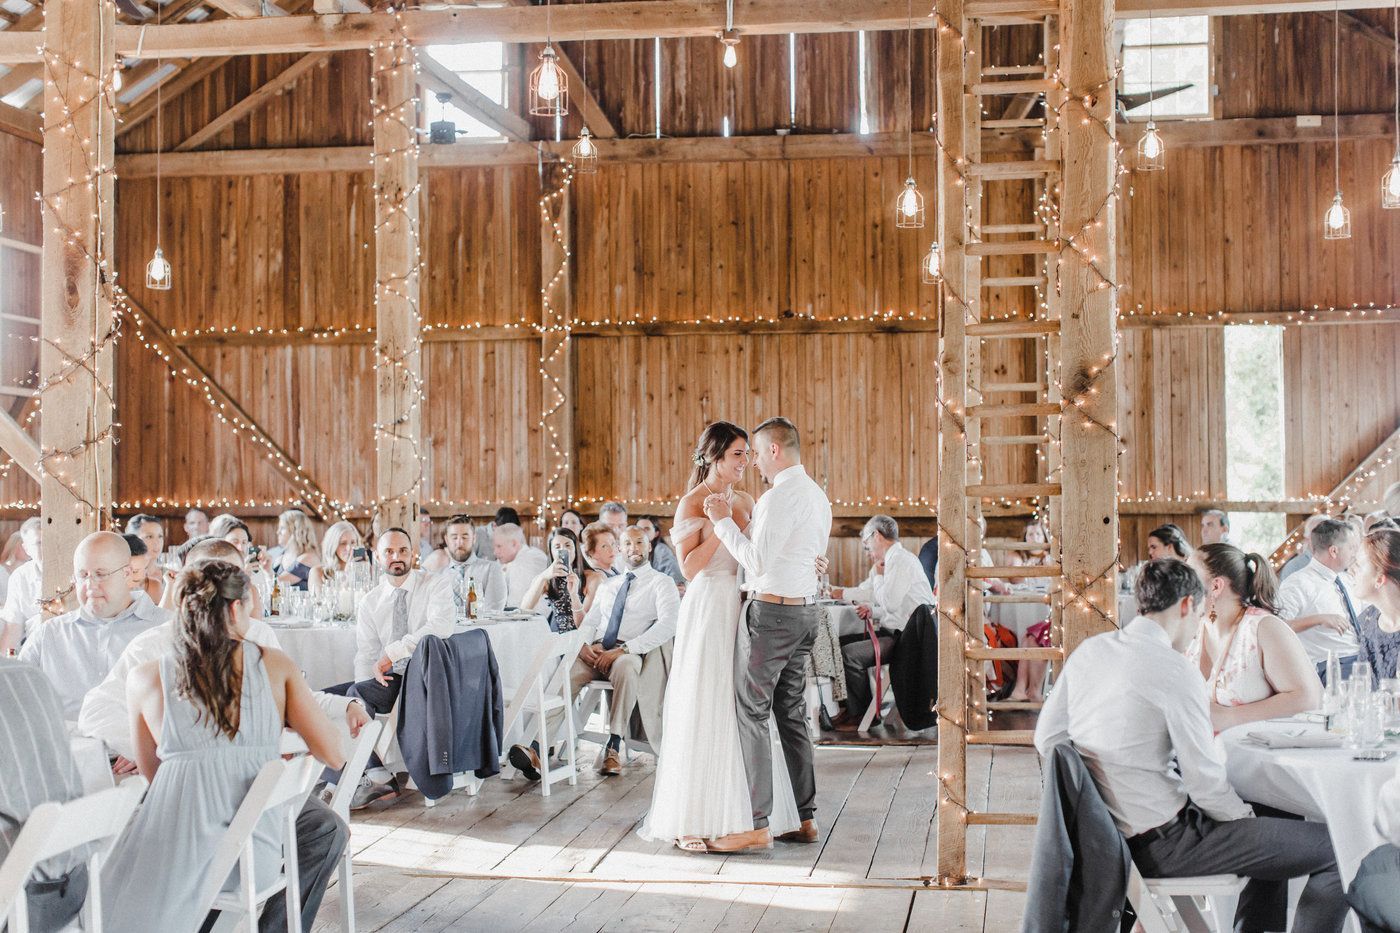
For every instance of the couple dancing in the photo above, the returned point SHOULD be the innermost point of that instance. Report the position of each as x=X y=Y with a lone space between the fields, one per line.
x=734 y=698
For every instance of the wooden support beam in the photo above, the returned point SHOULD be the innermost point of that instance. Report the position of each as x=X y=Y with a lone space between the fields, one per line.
x=187 y=75
x=1088 y=378
x=1364 y=30
x=1129 y=506
x=1261 y=131
x=341 y=6
x=255 y=101
x=22 y=123
x=248 y=8
x=20 y=445
x=398 y=326
x=438 y=77
x=592 y=112
x=556 y=355
x=75 y=356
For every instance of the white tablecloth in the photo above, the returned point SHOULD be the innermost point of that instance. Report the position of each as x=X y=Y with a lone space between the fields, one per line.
x=1322 y=784
x=847 y=622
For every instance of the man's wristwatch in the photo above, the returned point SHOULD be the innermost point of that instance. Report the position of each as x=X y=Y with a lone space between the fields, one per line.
x=623 y=646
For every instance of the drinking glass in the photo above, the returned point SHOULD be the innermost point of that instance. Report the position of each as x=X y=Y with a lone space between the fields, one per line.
x=1361 y=674
x=823 y=586
x=1368 y=723
x=1390 y=688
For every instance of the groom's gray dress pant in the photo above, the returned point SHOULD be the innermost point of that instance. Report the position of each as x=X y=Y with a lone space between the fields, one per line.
x=773 y=679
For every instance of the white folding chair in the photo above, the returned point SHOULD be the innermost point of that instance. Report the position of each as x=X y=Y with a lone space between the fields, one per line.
x=596 y=697
x=1178 y=905
x=55 y=828
x=340 y=805
x=877 y=703
x=546 y=688
x=278 y=783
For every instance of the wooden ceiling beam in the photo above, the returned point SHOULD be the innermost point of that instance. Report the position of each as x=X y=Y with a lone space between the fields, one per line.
x=438 y=77
x=22 y=123
x=1361 y=29
x=186 y=76
x=1260 y=131
x=245 y=9
x=592 y=112
x=255 y=101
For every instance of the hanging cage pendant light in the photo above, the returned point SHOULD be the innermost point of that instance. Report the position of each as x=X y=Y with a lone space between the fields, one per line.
x=584 y=154
x=909 y=206
x=1390 y=185
x=549 y=86
x=931 y=266
x=1390 y=182
x=1151 y=150
x=1336 y=223
x=158 y=275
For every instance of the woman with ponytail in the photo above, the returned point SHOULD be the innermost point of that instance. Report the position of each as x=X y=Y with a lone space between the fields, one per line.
x=205 y=719
x=1253 y=663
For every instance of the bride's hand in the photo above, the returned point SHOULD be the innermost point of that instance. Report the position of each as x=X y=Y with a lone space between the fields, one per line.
x=717 y=508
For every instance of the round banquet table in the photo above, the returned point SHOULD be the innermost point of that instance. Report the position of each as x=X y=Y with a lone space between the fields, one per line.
x=1322 y=784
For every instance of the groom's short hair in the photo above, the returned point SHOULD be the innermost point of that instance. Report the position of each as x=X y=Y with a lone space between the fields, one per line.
x=782 y=432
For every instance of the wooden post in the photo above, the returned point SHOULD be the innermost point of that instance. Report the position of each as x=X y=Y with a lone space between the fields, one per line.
x=953 y=629
x=398 y=327
x=75 y=358
x=1087 y=268
x=556 y=353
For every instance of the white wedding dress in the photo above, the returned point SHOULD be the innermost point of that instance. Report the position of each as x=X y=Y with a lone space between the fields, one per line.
x=701 y=787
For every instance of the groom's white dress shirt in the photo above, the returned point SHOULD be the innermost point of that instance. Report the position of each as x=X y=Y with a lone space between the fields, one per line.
x=790 y=529
x=1133 y=708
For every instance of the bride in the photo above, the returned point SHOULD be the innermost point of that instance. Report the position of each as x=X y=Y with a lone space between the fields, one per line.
x=701 y=790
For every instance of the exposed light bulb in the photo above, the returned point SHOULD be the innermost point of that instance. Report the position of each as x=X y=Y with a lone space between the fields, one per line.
x=1152 y=144
x=549 y=86
x=1335 y=216
x=931 y=269
x=1336 y=223
x=549 y=81
x=158 y=276
x=731 y=56
x=730 y=41
x=585 y=145
x=117 y=78
x=1150 y=150
x=909 y=206
x=908 y=203
x=585 y=153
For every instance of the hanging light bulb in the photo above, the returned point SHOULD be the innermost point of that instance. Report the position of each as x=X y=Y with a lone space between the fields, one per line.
x=549 y=86
x=1336 y=224
x=158 y=274
x=1151 y=150
x=1390 y=185
x=585 y=153
x=117 y=77
x=909 y=206
x=730 y=40
x=931 y=268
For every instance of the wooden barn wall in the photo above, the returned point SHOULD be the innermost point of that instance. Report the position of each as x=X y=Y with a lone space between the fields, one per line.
x=19 y=294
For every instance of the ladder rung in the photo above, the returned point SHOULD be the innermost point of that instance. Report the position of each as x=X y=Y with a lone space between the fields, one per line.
x=999 y=70
x=997 y=572
x=1027 y=168
x=1014 y=440
x=1002 y=737
x=1013 y=544
x=1015 y=654
x=1013 y=387
x=1011 y=281
x=1014 y=410
x=1000 y=819
x=1025 y=86
x=1013 y=328
x=1026 y=123
x=1041 y=598
x=1014 y=248
x=1012 y=228
x=1008 y=490
x=1015 y=706
x=982 y=8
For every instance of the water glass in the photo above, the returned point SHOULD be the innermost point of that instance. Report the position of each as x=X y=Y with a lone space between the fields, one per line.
x=1390 y=688
x=1361 y=674
x=1367 y=720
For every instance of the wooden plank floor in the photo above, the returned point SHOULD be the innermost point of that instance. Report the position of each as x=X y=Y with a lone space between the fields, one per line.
x=511 y=859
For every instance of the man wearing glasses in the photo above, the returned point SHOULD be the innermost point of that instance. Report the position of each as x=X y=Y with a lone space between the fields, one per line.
x=77 y=649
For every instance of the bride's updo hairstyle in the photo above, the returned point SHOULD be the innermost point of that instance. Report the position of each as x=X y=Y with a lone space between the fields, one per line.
x=710 y=448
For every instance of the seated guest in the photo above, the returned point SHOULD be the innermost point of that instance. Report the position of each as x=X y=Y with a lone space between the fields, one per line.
x=886 y=600
x=205 y=718
x=338 y=546
x=220 y=525
x=520 y=561
x=928 y=559
x=461 y=565
x=1038 y=535
x=599 y=551
x=13 y=555
x=22 y=595
x=561 y=583
x=633 y=616
x=1215 y=527
x=1300 y=560
x=1126 y=701
x=1167 y=542
x=136 y=570
x=151 y=531
x=572 y=520
x=1374 y=520
x=614 y=515
x=425 y=534
x=196 y=524
x=1377 y=574
x=390 y=620
x=77 y=649
x=1390 y=501
x=1253 y=664
x=37 y=767
x=300 y=555
x=663 y=558
x=1316 y=601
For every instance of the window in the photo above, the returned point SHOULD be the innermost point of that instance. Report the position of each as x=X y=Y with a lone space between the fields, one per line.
x=481 y=65
x=1254 y=432
x=862 y=77
x=1164 y=52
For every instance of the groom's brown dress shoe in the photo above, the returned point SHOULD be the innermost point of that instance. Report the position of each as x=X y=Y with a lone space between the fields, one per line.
x=751 y=841
x=806 y=833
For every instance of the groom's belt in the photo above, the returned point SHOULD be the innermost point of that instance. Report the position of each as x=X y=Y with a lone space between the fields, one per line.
x=784 y=600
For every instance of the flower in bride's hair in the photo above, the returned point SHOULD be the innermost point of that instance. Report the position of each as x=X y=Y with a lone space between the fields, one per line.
x=697 y=458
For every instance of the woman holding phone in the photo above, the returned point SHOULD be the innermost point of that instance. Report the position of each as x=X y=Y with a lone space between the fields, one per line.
x=561 y=583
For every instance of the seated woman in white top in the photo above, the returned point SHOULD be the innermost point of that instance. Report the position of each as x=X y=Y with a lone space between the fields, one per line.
x=1253 y=664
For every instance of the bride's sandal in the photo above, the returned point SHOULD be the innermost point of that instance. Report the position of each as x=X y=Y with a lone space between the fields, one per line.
x=692 y=844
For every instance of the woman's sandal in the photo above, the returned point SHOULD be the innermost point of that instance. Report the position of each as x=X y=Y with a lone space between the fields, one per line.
x=692 y=844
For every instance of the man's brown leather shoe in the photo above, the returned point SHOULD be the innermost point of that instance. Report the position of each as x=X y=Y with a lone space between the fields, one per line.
x=751 y=841
x=807 y=832
x=612 y=763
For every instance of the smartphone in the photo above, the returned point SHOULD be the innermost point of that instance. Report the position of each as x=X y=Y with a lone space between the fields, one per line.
x=562 y=556
x=1373 y=755
x=254 y=552
x=360 y=553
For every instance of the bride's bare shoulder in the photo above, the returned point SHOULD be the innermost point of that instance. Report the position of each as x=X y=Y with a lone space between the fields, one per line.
x=692 y=504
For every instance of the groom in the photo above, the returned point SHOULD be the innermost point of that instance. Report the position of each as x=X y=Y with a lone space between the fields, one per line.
x=790 y=527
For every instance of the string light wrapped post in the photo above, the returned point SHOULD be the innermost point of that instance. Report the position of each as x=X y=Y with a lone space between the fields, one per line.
x=556 y=418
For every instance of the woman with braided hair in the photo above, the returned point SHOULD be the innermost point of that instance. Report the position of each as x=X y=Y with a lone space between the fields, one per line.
x=205 y=719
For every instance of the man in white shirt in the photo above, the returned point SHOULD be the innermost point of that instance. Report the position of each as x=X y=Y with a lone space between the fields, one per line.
x=196 y=524
x=77 y=649
x=790 y=529
x=1215 y=527
x=887 y=599
x=1132 y=705
x=26 y=583
x=1316 y=601
x=1300 y=560
x=521 y=562
x=457 y=561
x=614 y=515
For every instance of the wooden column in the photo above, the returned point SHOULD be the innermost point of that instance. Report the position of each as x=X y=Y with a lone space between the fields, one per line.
x=398 y=327
x=950 y=230
x=75 y=358
x=1087 y=269
x=556 y=353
